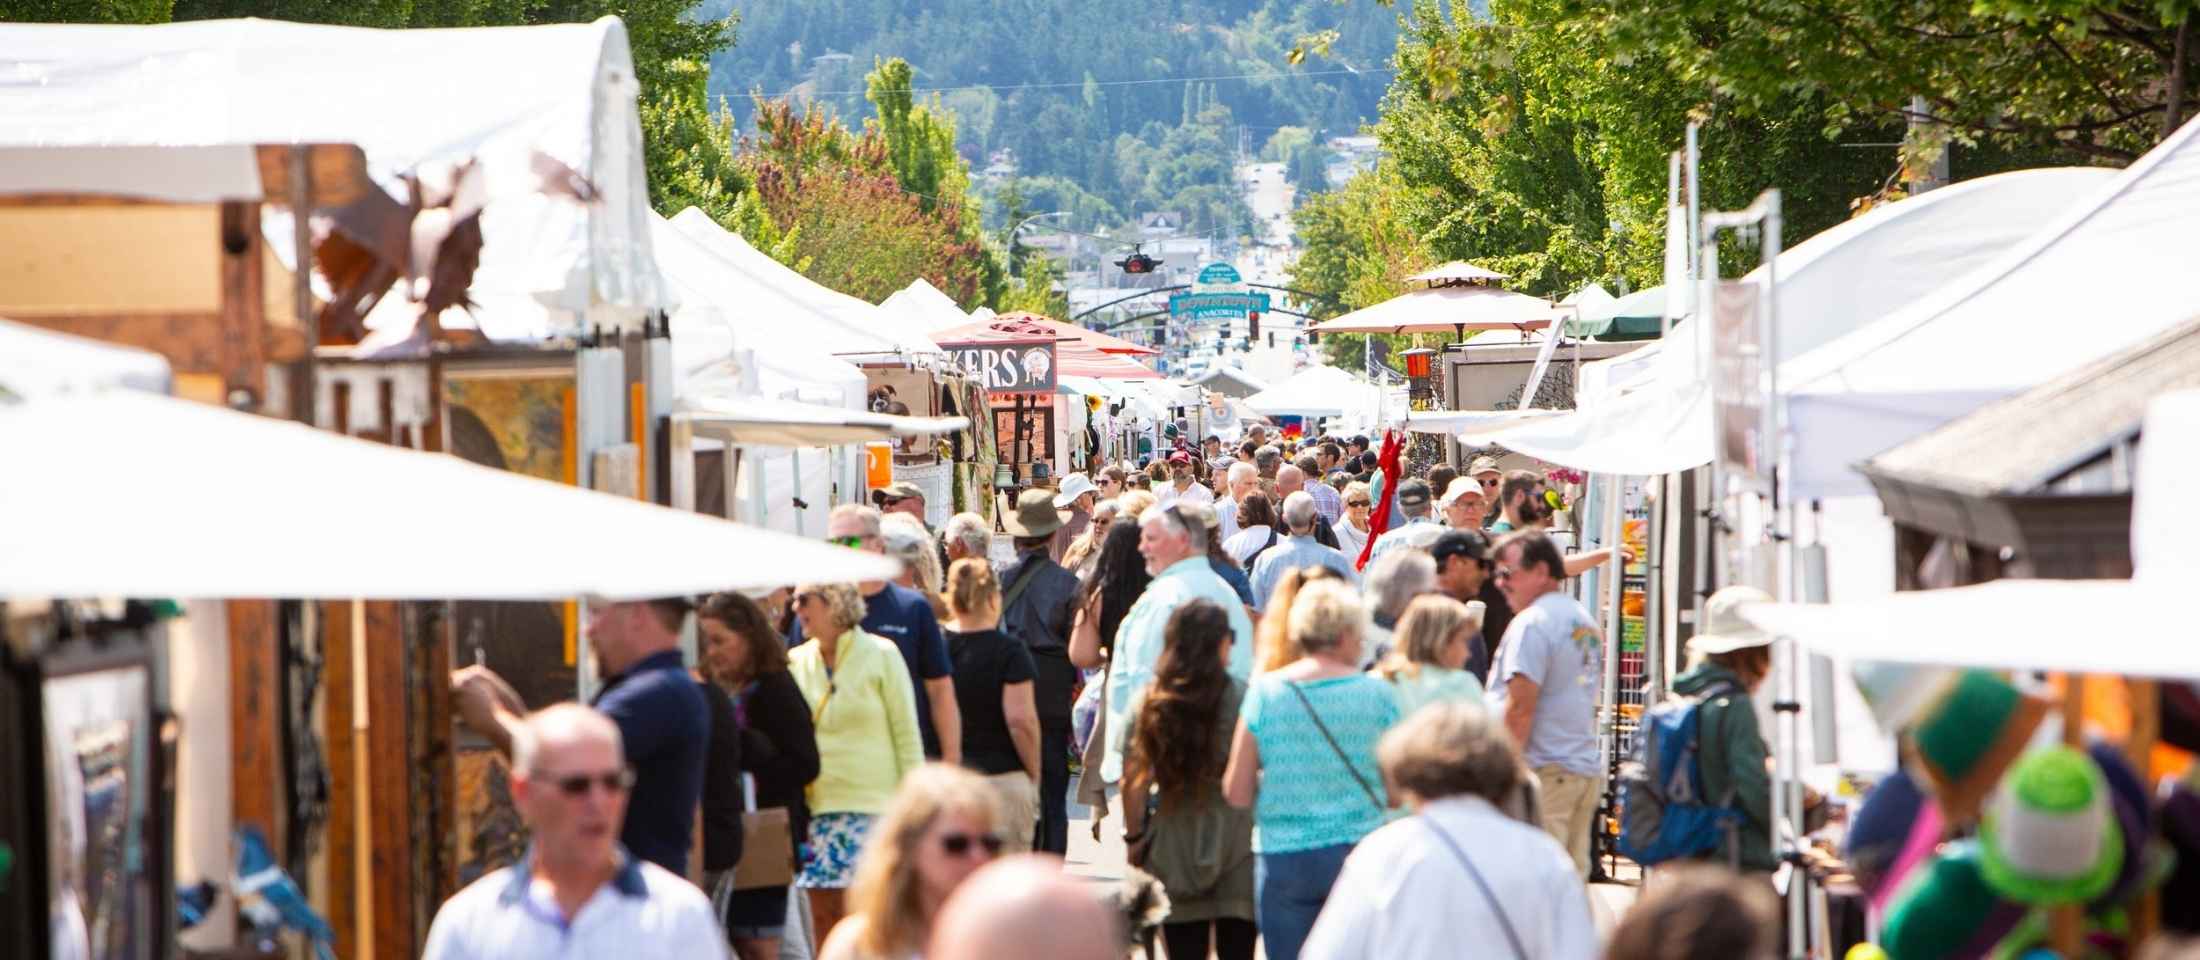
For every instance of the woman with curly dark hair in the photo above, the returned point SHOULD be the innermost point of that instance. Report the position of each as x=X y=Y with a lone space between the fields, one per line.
x=1176 y=823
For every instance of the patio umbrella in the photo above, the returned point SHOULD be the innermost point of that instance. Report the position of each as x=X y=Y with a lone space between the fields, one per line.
x=123 y=493
x=1075 y=355
x=1460 y=297
x=1103 y=342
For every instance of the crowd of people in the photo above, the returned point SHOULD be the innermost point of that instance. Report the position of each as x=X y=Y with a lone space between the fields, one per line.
x=1340 y=715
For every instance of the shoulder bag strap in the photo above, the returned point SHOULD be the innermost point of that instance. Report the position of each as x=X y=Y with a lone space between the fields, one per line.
x=1024 y=574
x=1503 y=921
x=1334 y=748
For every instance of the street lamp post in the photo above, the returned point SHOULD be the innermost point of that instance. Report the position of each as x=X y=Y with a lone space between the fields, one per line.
x=1014 y=262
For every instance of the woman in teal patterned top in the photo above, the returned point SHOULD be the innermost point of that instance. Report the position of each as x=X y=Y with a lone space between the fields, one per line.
x=1432 y=642
x=1303 y=758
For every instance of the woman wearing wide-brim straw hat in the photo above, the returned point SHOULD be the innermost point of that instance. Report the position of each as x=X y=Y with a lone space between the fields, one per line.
x=1730 y=660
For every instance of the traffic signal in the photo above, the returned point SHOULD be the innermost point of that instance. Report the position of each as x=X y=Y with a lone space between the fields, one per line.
x=1138 y=263
x=1252 y=319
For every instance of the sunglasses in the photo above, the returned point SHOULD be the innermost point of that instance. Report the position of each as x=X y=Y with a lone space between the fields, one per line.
x=576 y=785
x=853 y=540
x=1489 y=483
x=1359 y=503
x=959 y=844
x=1503 y=573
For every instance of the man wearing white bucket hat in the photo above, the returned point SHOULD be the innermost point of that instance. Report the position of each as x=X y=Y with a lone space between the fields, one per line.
x=1728 y=662
x=1075 y=499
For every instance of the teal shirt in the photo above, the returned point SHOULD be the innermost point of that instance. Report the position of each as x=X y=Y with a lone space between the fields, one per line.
x=1138 y=643
x=1427 y=684
x=1308 y=799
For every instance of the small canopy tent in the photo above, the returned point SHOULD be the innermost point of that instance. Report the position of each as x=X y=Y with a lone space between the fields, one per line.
x=548 y=116
x=2111 y=271
x=922 y=307
x=1454 y=309
x=1317 y=391
x=855 y=324
x=204 y=532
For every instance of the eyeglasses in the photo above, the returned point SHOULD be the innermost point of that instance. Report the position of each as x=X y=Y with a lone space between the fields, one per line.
x=576 y=785
x=959 y=844
x=1503 y=573
x=851 y=541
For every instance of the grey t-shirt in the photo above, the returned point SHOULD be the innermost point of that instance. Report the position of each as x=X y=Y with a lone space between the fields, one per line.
x=1556 y=644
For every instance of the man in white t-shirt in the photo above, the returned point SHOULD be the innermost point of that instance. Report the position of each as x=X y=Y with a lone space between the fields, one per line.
x=1239 y=480
x=1181 y=486
x=1544 y=683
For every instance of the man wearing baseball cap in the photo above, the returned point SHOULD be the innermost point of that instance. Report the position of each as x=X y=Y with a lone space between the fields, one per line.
x=1181 y=486
x=1463 y=504
x=1463 y=573
x=1486 y=476
x=1419 y=530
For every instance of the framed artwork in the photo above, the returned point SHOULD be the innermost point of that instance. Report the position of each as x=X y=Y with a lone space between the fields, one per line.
x=1038 y=442
x=106 y=869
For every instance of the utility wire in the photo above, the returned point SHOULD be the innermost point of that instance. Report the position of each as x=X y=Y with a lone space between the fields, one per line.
x=1143 y=81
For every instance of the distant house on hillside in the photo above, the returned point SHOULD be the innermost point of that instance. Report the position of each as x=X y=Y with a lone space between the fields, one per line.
x=1000 y=166
x=1350 y=157
x=1160 y=223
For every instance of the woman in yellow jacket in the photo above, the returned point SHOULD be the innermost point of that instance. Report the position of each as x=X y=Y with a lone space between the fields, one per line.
x=866 y=717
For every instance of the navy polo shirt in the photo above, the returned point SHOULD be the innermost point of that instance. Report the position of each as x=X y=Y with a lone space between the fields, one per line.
x=664 y=725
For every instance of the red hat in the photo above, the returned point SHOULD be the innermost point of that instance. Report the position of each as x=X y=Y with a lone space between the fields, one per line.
x=1180 y=457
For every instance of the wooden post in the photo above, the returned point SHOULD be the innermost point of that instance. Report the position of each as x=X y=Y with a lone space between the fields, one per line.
x=389 y=776
x=255 y=720
x=2146 y=730
x=337 y=679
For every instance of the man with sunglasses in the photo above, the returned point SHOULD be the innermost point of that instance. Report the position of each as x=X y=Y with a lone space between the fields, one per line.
x=1182 y=486
x=577 y=892
x=1544 y=683
x=662 y=714
x=1463 y=571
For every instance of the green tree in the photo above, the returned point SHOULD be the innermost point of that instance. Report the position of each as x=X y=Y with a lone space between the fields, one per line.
x=85 y=11
x=1356 y=250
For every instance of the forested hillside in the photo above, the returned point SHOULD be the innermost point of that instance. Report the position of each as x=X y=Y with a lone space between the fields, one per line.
x=1142 y=105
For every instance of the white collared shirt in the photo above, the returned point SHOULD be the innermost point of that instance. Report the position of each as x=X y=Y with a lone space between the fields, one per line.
x=644 y=911
x=1403 y=895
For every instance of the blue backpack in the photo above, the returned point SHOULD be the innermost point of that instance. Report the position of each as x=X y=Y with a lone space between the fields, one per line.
x=1663 y=812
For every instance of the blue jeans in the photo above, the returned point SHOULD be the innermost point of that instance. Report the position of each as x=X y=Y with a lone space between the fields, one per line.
x=1288 y=891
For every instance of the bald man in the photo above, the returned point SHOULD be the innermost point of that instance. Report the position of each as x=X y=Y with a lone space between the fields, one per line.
x=1019 y=907
x=577 y=892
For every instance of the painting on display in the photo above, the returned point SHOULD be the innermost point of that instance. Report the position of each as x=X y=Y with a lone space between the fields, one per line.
x=521 y=420
x=99 y=794
x=1038 y=438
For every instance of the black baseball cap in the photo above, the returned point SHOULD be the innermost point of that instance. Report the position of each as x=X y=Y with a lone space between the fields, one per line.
x=1460 y=543
x=1413 y=493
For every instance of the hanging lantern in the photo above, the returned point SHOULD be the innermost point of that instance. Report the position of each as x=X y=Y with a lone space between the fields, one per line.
x=1420 y=381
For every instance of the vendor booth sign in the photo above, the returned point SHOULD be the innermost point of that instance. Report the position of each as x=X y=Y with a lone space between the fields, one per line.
x=1007 y=366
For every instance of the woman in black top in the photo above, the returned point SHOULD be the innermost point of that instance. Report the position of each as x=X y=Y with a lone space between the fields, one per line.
x=741 y=653
x=993 y=688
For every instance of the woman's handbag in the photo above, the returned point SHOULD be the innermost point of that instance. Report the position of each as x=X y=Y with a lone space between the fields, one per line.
x=767 y=843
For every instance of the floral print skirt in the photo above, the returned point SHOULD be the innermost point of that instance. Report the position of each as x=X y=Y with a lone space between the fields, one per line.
x=829 y=857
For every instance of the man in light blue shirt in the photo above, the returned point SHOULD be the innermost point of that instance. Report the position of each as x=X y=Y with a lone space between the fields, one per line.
x=1545 y=683
x=1174 y=543
x=576 y=893
x=1298 y=549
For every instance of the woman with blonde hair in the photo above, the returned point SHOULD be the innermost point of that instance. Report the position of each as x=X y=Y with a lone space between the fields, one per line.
x=993 y=688
x=943 y=824
x=907 y=540
x=865 y=713
x=1429 y=658
x=1272 y=644
x=1303 y=757
x=1084 y=551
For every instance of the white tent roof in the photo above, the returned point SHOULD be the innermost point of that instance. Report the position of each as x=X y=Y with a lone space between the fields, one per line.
x=1317 y=391
x=1829 y=284
x=229 y=490
x=2113 y=270
x=790 y=423
x=421 y=100
x=42 y=361
x=2127 y=624
x=720 y=317
x=922 y=307
x=871 y=324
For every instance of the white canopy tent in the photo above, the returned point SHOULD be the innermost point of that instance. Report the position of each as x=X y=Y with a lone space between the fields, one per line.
x=856 y=325
x=2114 y=269
x=1828 y=285
x=1317 y=391
x=229 y=489
x=2126 y=623
x=719 y=315
x=921 y=307
x=550 y=265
